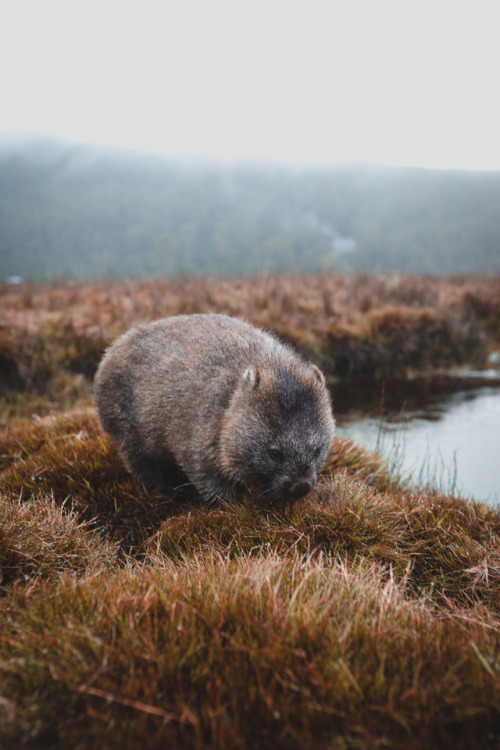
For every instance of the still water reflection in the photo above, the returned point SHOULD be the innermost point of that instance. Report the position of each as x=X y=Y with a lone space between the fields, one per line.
x=451 y=440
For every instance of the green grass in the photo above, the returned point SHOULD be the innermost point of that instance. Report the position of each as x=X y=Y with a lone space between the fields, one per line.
x=365 y=616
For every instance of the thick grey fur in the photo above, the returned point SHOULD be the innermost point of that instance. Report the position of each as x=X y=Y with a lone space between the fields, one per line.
x=213 y=401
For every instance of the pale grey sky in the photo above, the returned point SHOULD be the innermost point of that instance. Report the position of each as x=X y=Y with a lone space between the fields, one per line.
x=388 y=81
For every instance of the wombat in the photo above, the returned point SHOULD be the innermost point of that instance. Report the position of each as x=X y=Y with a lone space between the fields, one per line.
x=212 y=401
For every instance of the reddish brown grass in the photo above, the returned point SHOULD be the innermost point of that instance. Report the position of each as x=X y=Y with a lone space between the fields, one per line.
x=365 y=616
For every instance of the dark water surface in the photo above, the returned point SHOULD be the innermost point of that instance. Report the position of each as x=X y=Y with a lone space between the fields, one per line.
x=444 y=432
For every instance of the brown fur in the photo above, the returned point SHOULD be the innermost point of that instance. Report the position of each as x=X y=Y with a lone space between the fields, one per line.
x=216 y=402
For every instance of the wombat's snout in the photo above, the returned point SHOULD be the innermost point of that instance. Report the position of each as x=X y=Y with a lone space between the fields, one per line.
x=298 y=489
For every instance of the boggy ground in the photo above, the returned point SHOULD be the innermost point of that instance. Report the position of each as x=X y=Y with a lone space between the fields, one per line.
x=364 y=616
x=351 y=326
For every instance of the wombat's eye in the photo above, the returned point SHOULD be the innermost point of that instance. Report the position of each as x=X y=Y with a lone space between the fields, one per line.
x=275 y=454
x=317 y=452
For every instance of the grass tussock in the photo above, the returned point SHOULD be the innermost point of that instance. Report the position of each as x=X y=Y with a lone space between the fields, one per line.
x=444 y=548
x=364 y=616
x=268 y=652
x=68 y=458
x=40 y=539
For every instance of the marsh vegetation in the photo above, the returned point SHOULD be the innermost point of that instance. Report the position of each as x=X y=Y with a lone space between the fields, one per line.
x=364 y=616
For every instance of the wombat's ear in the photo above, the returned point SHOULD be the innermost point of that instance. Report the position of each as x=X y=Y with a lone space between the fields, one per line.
x=317 y=373
x=251 y=377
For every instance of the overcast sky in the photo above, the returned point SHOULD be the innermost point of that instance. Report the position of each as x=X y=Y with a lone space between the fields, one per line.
x=387 y=81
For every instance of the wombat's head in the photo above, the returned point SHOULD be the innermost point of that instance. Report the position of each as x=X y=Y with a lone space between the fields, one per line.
x=277 y=431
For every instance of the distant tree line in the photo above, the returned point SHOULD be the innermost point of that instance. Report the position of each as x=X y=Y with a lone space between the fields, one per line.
x=82 y=212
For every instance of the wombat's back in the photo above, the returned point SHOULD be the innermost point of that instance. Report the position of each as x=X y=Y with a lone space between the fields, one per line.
x=191 y=356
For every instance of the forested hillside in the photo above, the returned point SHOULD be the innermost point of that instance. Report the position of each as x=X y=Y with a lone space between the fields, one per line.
x=82 y=211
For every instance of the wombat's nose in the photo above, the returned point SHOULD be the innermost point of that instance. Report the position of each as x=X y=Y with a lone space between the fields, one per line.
x=299 y=489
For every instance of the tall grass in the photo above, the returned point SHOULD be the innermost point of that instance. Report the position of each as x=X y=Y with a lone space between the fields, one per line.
x=266 y=652
x=363 y=616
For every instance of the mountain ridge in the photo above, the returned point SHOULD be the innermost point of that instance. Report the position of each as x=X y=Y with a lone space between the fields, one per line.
x=81 y=211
